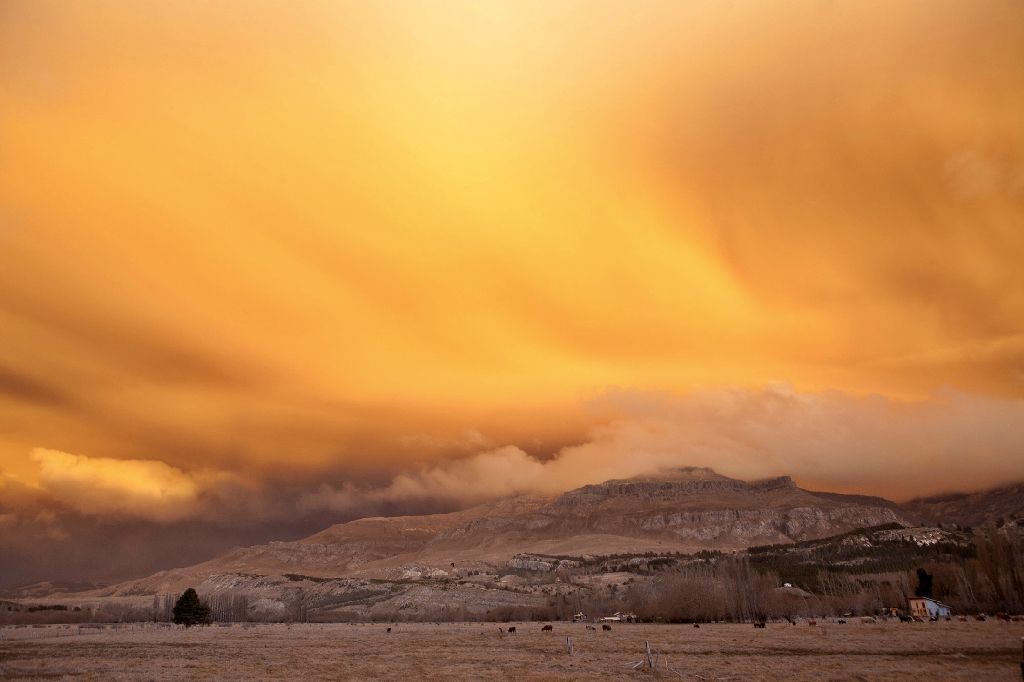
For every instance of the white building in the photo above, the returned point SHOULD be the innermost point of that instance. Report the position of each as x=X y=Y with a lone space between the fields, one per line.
x=925 y=608
x=618 y=617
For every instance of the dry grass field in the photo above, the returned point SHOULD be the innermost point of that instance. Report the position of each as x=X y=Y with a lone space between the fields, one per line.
x=948 y=650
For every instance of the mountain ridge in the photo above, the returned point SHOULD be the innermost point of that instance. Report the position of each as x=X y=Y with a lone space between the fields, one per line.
x=681 y=510
x=523 y=554
x=686 y=509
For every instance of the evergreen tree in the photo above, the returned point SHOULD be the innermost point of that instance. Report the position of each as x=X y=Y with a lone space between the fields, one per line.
x=189 y=611
x=924 y=584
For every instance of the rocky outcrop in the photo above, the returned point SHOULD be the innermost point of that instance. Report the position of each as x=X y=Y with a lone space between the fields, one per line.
x=528 y=562
x=676 y=488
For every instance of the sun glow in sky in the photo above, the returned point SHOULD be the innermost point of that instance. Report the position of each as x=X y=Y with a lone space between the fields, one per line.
x=338 y=240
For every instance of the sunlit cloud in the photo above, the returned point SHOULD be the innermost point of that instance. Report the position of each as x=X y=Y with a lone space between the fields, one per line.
x=142 y=488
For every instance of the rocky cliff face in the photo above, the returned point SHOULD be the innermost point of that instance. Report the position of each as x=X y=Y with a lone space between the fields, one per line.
x=749 y=527
x=681 y=486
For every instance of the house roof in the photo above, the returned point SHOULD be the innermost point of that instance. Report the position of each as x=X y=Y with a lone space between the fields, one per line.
x=934 y=601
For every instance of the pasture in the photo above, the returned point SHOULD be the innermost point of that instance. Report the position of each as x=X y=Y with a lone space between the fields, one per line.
x=945 y=650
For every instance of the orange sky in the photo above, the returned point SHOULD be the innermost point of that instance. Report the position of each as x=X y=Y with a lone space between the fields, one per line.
x=337 y=241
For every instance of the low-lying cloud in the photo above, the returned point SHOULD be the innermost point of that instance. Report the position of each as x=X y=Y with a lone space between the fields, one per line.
x=828 y=440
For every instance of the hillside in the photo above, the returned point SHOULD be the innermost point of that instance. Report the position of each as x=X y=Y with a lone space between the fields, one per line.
x=1005 y=503
x=533 y=556
x=682 y=511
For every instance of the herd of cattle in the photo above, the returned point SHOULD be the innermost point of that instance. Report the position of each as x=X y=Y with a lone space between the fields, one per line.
x=761 y=623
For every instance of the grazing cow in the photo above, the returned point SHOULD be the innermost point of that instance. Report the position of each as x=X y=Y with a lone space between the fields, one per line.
x=812 y=623
x=696 y=625
x=791 y=620
x=546 y=628
x=1003 y=616
x=606 y=627
x=841 y=622
x=759 y=624
x=591 y=627
x=512 y=630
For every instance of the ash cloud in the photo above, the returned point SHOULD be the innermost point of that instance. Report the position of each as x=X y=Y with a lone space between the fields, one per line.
x=830 y=440
x=676 y=194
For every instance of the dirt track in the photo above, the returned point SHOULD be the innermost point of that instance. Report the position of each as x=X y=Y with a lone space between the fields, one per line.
x=954 y=650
